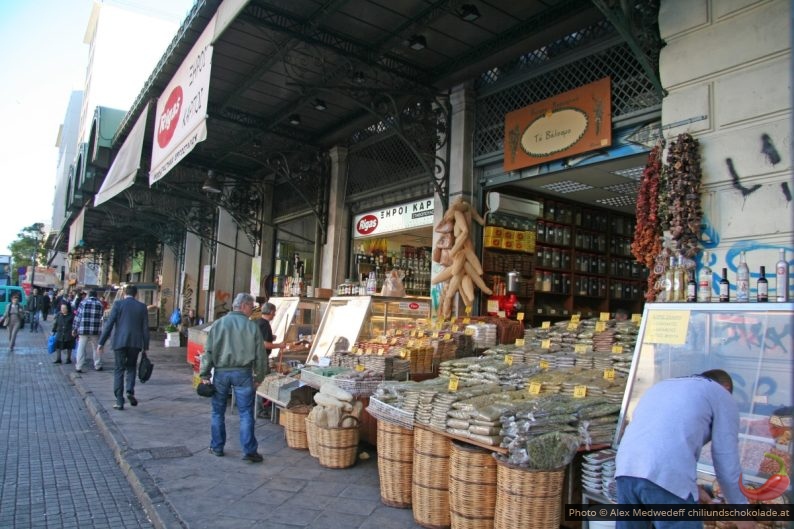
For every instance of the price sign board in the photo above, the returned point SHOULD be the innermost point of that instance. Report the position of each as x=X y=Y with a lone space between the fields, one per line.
x=509 y=360
x=617 y=349
x=534 y=388
x=579 y=392
x=580 y=348
x=520 y=342
x=609 y=374
x=453 y=383
x=601 y=326
x=545 y=325
x=544 y=364
x=359 y=367
x=545 y=344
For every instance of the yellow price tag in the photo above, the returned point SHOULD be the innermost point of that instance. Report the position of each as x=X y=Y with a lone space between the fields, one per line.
x=580 y=348
x=604 y=316
x=435 y=334
x=575 y=318
x=617 y=349
x=447 y=337
x=414 y=333
x=466 y=321
x=411 y=343
x=609 y=374
x=359 y=367
x=398 y=332
x=501 y=314
x=601 y=326
x=545 y=344
x=579 y=392
x=455 y=328
x=354 y=350
x=467 y=310
x=469 y=331
x=509 y=360
x=544 y=364
x=520 y=342
x=545 y=325
x=381 y=351
x=636 y=318
x=572 y=325
x=535 y=387
x=393 y=341
x=453 y=383
x=520 y=316
x=369 y=350
x=403 y=353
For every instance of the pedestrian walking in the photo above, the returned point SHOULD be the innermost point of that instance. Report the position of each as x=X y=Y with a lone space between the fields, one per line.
x=45 y=305
x=62 y=329
x=130 y=319
x=13 y=319
x=34 y=306
x=235 y=351
x=657 y=457
x=87 y=326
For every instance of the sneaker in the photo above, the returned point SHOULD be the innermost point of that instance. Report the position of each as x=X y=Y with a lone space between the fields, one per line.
x=118 y=406
x=100 y=368
x=217 y=453
x=253 y=458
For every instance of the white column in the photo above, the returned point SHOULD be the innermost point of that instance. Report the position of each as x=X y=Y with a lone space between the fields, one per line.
x=191 y=275
x=168 y=282
x=335 y=256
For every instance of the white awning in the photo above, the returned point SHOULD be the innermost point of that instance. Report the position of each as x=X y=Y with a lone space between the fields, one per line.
x=126 y=164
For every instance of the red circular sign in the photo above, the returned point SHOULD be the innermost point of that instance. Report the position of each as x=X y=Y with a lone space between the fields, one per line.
x=367 y=224
x=413 y=306
x=168 y=120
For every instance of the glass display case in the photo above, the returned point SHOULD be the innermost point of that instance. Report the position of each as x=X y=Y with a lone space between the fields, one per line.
x=348 y=319
x=751 y=341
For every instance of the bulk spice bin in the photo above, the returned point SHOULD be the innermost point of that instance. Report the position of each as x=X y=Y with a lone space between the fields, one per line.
x=395 y=464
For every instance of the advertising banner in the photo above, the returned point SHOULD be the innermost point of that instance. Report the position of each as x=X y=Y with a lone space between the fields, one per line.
x=394 y=219
x=181 y=118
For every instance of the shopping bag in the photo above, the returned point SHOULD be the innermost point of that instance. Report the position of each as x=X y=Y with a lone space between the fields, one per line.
x=51 y=344
x=145 y=368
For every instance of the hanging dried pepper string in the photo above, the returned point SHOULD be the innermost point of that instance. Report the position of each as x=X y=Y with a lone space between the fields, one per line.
x=647 y=232
x=772 y=488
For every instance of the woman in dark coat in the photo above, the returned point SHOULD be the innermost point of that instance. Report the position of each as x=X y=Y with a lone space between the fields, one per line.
x=62 y=329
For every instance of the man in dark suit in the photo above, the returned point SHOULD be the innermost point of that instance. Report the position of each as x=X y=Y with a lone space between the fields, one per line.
x=130 y=319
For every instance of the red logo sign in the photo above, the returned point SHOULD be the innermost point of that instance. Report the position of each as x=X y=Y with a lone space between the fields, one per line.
x=413 y=306
x=166 y=125
x=367 y=224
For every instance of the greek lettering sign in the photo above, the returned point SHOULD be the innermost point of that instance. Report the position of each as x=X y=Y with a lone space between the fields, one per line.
x=181 y=118
x=573 y=122
x=393 y=219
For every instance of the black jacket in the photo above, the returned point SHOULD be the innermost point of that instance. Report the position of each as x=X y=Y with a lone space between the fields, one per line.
x=62 y=329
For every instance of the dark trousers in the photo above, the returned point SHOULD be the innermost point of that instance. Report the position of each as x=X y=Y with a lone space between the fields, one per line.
x=126 y=362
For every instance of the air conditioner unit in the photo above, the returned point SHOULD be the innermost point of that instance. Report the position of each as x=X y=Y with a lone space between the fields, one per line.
x=507 y=205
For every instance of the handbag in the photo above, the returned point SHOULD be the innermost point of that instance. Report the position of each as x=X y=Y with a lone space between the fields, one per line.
x=3 y=321
x=145 y=368
x=51 y=344
x=205 y=390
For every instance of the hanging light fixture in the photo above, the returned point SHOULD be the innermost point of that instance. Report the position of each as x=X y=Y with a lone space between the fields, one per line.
x=211 y=183
x=417 y=42
x=469 y=12
x=294 y=119
x=319 y=104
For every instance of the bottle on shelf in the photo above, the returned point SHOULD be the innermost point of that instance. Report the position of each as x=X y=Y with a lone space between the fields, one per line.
x=691 y=288
x=781 y=277
x=743 y=280
x=762 y=287
x=669 y=282
x=372 y=284
x=704 y=280
x=725 y=287
x=681 y=278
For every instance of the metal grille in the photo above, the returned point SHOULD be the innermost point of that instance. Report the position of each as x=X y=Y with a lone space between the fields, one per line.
x=380 y=164
x=631 y=89
x=287 y=202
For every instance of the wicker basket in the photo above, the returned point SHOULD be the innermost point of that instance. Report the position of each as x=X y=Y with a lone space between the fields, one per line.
x=530 y=499
x=294 y=422
x=395 y=464
x=430 y=484
x=472 y=487
x=337 y=447
x=311 y=437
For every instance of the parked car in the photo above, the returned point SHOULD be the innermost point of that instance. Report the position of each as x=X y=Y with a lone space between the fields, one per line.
x=6 y=291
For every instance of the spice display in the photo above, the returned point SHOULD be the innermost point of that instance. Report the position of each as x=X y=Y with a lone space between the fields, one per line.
x=775 y=486
x=463 y=269
x=647 y=232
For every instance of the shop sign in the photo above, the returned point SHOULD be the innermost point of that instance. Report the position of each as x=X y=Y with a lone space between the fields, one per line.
x=395 y=218
x=181 y=118
x=570 y=123
x=413 y=306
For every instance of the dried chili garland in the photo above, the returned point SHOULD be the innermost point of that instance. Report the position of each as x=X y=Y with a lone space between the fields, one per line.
x=680 y=212
x=647 y=232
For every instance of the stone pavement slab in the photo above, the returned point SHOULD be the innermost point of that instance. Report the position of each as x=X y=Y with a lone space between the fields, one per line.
x=162 y=445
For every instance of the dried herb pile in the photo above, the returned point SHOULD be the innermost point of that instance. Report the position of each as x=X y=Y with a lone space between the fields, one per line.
x=647 y=243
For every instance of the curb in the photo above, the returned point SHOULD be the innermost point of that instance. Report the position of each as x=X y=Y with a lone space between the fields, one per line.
x=161 y=513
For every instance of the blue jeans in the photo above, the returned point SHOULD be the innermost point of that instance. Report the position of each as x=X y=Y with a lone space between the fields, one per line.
x=639 y=491
x=242 y=382
x=126 y=362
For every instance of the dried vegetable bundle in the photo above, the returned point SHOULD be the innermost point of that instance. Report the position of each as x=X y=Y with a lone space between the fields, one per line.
x=647 y=243
x=680 y=212
x=455 y=250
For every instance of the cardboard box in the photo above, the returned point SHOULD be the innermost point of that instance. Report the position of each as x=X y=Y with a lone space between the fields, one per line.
x=492 y=242
x=509 y=235
x=323 y=293
x=493 y=231
x=509 y=244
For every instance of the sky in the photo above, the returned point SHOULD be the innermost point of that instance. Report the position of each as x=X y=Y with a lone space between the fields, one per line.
x=43 y=60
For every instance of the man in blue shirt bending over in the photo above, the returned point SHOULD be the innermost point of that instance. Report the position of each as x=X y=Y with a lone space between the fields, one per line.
x=657 y=458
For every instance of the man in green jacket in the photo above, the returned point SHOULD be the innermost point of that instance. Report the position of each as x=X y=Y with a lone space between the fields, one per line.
x=236 y=351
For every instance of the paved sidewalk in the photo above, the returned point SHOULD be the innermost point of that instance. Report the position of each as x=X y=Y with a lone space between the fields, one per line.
x=162 y=447
x=56 y=470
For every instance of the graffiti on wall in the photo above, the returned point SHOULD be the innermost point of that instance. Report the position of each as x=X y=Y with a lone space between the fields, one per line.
x=223 y=303
x=710 y=239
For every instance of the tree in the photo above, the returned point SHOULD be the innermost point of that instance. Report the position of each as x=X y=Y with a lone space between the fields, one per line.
x=29 y=242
